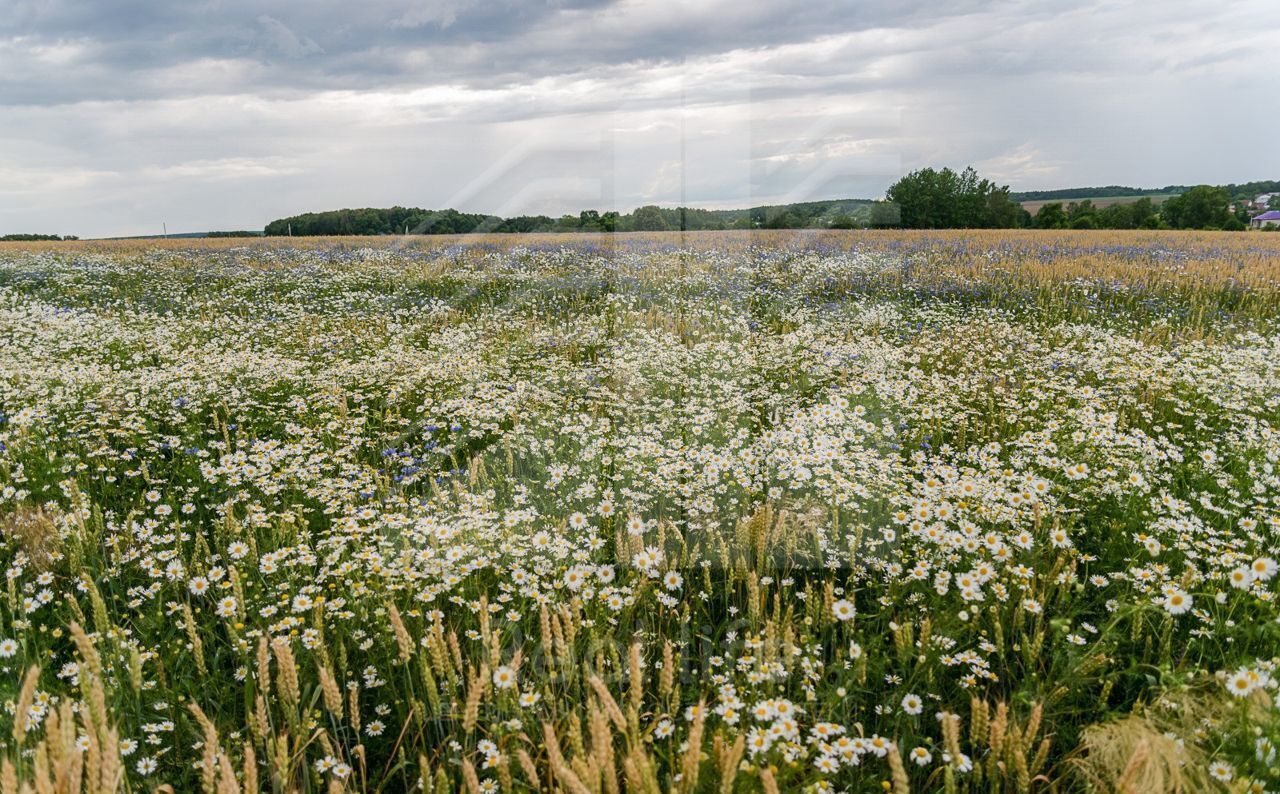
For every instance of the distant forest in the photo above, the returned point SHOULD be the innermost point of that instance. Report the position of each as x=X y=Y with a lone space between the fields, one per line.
x=924 y=199
x=844 y=213
x=1240 y=191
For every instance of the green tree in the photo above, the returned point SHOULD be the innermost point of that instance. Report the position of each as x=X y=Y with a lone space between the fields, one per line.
x=1051 y=216
x=649 y=219
x=1002 y=212
x=1203 y=206
x=1141 y=211
x=1116 y=216
x=885 y=215
x=525 y=224
x=785 y=220
x=925 y=198
x=1078 y=211
x=933 y=199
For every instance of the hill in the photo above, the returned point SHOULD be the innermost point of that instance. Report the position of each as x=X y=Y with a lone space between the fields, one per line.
x=1112 y=192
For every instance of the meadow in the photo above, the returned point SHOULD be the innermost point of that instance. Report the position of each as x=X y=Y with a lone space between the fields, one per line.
x=721 y=512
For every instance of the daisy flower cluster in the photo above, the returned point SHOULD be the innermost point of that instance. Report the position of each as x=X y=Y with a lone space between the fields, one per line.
x=819 y=512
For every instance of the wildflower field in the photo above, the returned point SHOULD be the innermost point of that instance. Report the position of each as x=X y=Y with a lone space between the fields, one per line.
x=708 y=513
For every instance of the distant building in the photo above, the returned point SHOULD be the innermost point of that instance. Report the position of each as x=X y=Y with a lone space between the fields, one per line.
x=1266 y=219
x=1262 y=200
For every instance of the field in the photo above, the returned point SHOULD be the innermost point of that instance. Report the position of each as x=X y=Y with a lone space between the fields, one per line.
x=989 y=511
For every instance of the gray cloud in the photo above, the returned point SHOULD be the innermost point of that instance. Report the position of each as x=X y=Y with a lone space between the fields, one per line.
x=285 y=41
x=222 y=113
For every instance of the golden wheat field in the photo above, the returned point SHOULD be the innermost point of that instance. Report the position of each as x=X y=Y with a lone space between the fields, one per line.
x=706 y=512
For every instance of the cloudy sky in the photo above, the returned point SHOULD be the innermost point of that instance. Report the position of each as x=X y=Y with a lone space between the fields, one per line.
x=117 y=116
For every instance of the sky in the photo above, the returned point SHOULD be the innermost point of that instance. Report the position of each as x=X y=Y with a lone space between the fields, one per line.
x=123 y=117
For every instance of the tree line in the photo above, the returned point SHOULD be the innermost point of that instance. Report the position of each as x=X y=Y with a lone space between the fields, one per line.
x=945 y=199
x=1077 y=193
x=414 y=220
x=838 y=214
x=927 y=198
x=1200 y=207
x=1237 y=191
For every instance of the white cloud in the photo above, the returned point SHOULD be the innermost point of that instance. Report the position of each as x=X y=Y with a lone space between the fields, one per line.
x=222 y=169
x=1025 y=165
